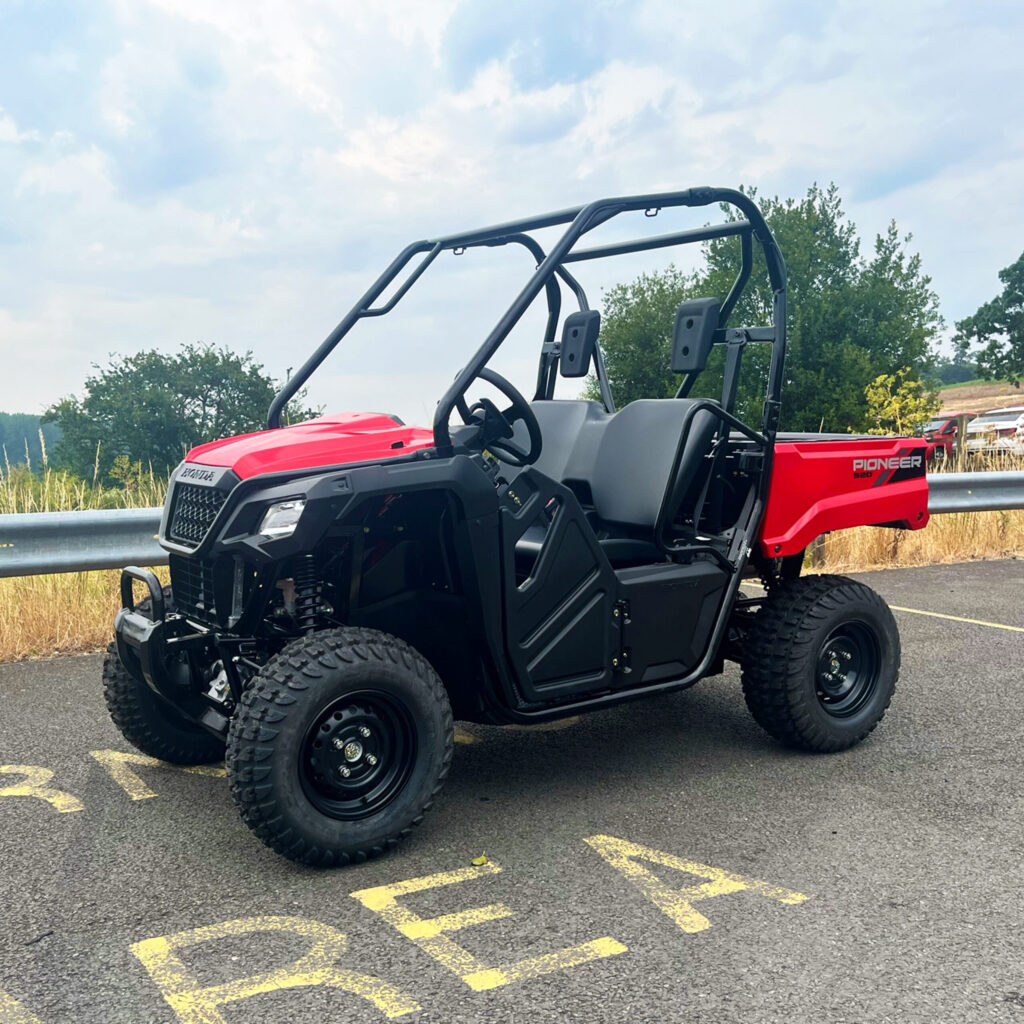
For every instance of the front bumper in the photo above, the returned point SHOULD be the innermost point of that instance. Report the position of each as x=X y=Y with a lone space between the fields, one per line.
x=167 y=652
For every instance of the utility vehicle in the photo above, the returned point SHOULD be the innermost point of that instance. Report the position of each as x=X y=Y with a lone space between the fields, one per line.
x=342 y=588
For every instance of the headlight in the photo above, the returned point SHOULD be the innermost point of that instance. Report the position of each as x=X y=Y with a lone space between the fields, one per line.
x=281 y=519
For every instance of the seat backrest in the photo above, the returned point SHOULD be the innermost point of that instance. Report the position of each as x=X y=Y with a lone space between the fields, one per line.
x=562 y=422
x=624 y=459
x=630 y=474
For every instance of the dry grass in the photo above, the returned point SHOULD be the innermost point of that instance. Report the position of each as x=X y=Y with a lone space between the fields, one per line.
x=73 y=612
x=963 y=537
x=980 y=397
x=21 y=490
x=41 y=616
x=960 y=537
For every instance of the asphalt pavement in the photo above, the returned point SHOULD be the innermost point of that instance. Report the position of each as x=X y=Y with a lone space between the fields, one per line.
x=663 y=861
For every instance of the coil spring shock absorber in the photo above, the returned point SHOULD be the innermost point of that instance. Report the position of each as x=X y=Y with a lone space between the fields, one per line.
x=307 y=593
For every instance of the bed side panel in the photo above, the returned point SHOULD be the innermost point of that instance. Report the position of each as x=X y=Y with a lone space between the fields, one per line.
x=818 y=486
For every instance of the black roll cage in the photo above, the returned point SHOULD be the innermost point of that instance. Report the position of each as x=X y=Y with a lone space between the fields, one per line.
x=551 y=267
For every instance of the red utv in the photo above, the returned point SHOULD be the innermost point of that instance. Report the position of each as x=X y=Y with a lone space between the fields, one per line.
x=343 y=588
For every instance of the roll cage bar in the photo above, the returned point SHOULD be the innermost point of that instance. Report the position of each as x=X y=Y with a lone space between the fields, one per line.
x=551 y=267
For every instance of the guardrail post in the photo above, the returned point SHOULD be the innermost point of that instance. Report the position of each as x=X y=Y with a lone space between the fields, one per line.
x=960 y=444
x=816 y=552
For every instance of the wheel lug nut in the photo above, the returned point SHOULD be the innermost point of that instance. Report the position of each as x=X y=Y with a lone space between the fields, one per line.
x=847 y=656
x=344 y=772
x=364 y=732
x=371 y=760
x=337 y=744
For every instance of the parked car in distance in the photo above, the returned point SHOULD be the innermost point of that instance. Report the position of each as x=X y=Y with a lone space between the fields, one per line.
x=1001 y=430
x=940 y=433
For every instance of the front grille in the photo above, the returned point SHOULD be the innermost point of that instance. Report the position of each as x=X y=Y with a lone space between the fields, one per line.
x=211 y=590
x=192 y=587
x=194 y=510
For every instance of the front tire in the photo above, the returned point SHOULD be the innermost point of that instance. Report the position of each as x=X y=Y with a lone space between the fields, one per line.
x=340 y=745
x=820 y=662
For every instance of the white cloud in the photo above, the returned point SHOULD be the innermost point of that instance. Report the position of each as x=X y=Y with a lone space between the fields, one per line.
x=239 y=172
x=289 y=42
x=82 y=173
x=9 y=132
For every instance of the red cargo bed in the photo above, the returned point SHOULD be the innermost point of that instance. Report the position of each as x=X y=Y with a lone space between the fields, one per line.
x=833 y=482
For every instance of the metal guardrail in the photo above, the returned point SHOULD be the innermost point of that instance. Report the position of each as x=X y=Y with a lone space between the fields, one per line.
x=34 y=543
x=975 y=492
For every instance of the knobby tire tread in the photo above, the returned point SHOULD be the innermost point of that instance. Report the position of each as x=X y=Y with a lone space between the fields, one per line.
x=265 y=705
x=780 y=644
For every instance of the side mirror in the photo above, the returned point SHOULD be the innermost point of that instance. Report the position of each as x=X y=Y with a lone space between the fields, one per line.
x=693 y=334
x=579 y=339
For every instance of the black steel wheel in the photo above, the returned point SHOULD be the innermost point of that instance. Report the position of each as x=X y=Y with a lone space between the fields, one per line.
x=339 y=746
x=848 y=669
x=149 y=723
x=820 y=662
x=357 y=755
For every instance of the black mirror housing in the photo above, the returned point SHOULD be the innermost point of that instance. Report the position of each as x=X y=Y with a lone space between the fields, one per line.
x=693 y=334
x=579 y=340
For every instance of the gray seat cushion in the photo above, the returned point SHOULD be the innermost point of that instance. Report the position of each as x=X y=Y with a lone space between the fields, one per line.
x=620 y=551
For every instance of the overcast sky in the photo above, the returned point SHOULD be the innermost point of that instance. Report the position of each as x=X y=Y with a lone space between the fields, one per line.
x=237 y=173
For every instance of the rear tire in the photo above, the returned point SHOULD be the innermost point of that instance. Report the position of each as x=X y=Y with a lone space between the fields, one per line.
x=339 y=747
x=149 y=723
x=820 y=662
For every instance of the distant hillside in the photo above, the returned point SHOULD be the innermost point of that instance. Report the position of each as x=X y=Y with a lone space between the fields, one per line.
x=980 y=396
x=21 y=429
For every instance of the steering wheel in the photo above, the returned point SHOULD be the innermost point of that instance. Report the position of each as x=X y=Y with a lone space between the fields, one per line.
x=497 y=427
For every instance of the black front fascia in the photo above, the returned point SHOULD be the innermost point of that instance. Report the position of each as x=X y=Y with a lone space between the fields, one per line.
x=329 y=495
x=268 y=488
x=144 y=646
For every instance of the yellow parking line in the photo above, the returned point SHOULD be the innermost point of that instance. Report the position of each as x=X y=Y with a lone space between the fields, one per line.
x=957 y=618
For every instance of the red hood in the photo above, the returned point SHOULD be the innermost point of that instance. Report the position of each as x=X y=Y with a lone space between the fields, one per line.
x=327 y=441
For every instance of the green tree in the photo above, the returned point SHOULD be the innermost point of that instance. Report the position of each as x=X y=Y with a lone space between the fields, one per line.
x=850 y=318
x=998 y=327
x=954 y=371
x=898 y=403
x=23 y=439
x=150 y=408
